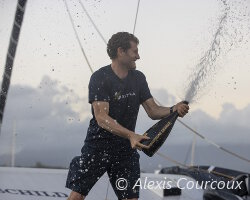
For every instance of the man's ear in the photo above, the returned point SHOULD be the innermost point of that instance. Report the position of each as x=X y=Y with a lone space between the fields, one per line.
x=120 y=51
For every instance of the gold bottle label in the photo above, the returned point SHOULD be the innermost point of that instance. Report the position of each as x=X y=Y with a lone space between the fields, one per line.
x=159 y=134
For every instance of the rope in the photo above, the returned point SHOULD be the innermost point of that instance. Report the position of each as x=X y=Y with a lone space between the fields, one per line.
x=93 y=23
x=76 y=35
x=210 y=141
x=138 y=4
x=213 y=143
x=85 y=56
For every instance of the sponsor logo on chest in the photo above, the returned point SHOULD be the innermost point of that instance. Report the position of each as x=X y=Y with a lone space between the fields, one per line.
x=118 y=95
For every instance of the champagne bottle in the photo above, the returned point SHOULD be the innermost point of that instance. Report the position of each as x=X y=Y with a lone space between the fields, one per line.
x=159 y=132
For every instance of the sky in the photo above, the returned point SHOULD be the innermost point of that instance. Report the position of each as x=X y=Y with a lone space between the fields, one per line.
x=49 y=85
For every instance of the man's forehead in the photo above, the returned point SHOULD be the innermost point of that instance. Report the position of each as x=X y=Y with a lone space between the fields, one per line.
x=133 y=45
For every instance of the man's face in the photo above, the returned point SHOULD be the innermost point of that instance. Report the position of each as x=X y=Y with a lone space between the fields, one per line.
x=129 y=57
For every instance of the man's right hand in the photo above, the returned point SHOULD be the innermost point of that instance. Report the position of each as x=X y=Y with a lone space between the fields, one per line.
x=135 y=141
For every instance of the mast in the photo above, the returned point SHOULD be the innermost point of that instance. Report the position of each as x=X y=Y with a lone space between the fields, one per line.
x=16 y=28
x=193 y=150
x=13 y=146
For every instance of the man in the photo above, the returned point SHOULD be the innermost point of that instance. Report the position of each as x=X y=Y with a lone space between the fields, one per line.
x=115 y=93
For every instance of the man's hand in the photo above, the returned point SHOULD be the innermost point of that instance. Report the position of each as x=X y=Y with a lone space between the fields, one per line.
x=181 y=108
x=135 y=141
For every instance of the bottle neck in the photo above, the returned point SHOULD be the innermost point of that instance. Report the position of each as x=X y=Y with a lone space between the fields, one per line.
x=175 y=115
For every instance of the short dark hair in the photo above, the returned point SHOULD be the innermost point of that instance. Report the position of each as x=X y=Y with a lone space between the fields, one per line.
x=120 y=39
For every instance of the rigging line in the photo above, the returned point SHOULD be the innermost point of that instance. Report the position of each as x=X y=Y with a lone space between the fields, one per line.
x=76 y=35
x=213 y=143
x=171 y=160
x=138 y=4
x=210 y=141
x=93 y=23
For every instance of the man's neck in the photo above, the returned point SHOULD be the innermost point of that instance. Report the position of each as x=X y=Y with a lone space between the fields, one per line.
x=119 y=70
